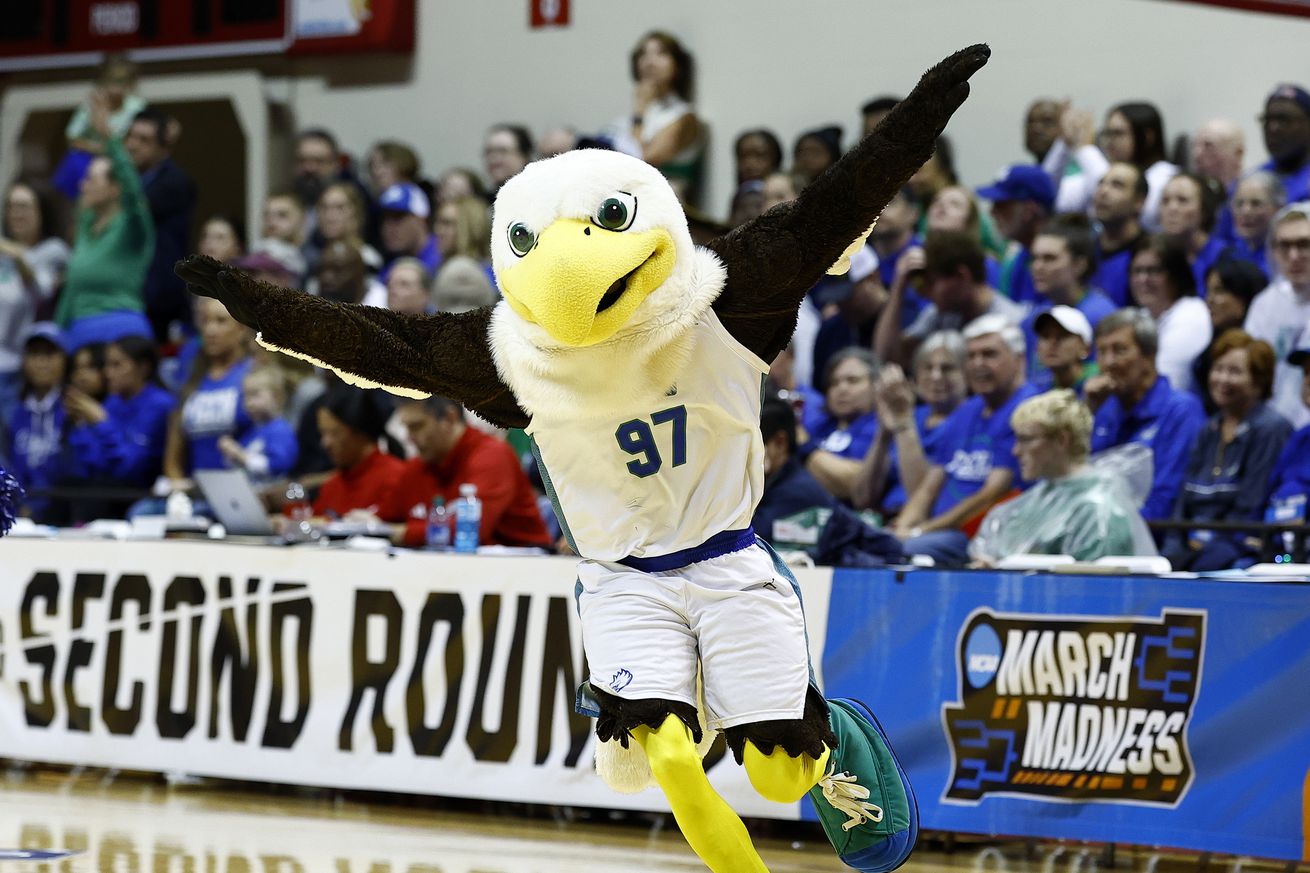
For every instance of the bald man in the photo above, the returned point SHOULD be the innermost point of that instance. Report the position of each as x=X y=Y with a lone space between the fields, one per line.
x=1218 y=147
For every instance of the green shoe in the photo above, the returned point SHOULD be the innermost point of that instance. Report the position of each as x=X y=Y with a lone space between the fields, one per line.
x=865 y=802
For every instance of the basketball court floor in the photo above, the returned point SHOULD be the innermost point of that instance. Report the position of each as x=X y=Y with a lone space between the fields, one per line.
x=139 y=823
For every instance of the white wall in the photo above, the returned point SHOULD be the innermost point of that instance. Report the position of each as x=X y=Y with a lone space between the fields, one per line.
x=793 y=65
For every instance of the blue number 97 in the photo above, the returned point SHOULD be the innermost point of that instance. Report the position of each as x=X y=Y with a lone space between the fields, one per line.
x=636 y=438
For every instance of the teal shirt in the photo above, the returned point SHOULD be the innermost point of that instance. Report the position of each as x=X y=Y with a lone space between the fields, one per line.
x=108 y=268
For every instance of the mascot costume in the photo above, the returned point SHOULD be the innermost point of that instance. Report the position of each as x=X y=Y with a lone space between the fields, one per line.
x=635 y=361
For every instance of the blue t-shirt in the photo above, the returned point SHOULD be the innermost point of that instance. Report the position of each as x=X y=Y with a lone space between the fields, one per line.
x=128 y=446
x=851 y=442
x=1167 y=422
x=1111 y=274
x=275 y=440
x=36 y=449
x=913 y=302
x=1297 y=182
x=1205 y=259
x=1095 y=305
x=1242 y=250
x=1017 y=278
x=973 y=444
x=430 y=255
x=215 y=409
x=1289 y=482
x=896 y=497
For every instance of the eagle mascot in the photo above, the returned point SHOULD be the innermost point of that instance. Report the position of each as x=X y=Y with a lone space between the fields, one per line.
x=635 y=361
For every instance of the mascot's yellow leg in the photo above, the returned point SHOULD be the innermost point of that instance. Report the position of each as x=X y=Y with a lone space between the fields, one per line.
x=709 y=825
x=780 y=778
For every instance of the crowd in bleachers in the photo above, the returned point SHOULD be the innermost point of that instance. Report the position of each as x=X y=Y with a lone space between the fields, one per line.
x=987 y=346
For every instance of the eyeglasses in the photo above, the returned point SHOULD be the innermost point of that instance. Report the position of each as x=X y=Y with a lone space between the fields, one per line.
x=1287 y=246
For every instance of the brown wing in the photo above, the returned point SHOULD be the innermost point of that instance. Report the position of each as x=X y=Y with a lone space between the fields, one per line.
x=775 y=259
x=411 y=355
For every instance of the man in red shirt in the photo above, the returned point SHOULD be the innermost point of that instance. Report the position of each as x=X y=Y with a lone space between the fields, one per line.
x=450 y=453
x=350 y=423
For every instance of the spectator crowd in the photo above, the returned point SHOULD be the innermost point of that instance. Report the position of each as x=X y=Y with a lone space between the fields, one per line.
x=991 y=350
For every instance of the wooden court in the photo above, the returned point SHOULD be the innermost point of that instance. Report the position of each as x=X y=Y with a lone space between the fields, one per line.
x=139 y=823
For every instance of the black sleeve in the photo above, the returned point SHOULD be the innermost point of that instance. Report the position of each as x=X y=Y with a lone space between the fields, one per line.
x=775 y=259
x=441 y=354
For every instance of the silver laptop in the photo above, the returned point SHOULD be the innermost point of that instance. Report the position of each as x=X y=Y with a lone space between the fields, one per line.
x=234 y=502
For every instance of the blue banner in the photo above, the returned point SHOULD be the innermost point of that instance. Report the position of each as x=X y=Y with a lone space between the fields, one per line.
x=1118 y=709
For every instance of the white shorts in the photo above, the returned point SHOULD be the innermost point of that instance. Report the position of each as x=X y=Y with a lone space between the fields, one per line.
x=643 y=633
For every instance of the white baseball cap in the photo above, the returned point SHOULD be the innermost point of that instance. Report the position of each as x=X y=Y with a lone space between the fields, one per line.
x=1068 y=318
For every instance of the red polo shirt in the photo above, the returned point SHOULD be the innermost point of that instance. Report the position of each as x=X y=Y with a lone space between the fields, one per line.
x=365 y=485
x=509 y=505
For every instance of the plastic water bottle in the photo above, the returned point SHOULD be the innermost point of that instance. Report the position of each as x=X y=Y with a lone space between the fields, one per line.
x=299 y=511
x=468 y=518
x=438 y=525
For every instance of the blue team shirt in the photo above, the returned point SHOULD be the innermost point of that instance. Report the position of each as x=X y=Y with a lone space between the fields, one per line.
x=1205 y=259
x=913 y=303
x=36 y=448
x=276 y=441
x=1289 y=482
x=1017 y=278
x=1297 y=183
x=1167 y=422
x=1111 y=274
x=850 y=442
x=128 y=446
x=1243 y=251
x=974 y=444
x=896 y=497
x=430 y=255
x=1094 y=305
x=215 y=409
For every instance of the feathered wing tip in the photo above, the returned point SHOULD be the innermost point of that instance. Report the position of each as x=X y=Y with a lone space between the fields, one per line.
x=10 y=494
x=346 y=376
x=627 y=771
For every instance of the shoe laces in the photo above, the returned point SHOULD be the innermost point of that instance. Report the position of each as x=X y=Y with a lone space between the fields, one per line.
x=849 y=796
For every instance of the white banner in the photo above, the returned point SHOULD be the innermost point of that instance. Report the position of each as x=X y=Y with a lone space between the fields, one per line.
x=430 y=674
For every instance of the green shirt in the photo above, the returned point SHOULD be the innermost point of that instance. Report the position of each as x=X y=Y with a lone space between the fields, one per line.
x=108 y=268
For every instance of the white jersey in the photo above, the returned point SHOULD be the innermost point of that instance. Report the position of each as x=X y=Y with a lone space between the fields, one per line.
x=692 y=466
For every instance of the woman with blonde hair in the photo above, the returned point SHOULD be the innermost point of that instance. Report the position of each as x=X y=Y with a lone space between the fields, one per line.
x=463 y=227
x=341 y=212
x=1074 y=508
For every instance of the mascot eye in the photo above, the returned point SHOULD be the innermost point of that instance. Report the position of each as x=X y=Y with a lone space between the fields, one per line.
x=521 y=240
x=616 y=212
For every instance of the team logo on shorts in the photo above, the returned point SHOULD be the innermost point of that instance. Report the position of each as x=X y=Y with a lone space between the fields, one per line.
x=1074 y=708
x=622 y=679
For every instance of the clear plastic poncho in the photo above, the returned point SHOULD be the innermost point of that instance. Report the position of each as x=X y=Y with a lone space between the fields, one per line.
x=1088 y=515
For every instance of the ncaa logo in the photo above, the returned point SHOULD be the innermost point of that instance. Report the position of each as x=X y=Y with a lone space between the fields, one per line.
x=982 y=652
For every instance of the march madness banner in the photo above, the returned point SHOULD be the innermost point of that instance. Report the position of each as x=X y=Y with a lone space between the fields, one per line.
x=443 y=675
x=1171 y=712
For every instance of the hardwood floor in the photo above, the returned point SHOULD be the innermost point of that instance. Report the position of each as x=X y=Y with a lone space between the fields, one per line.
x=137 y=823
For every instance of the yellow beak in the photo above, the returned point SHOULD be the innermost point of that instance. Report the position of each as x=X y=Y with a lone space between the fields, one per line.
x=582 y=282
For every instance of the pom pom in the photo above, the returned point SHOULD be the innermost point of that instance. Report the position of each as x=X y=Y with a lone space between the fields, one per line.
x=10 y=493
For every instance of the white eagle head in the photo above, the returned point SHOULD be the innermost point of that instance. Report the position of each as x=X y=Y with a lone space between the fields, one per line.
x=590 y=246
